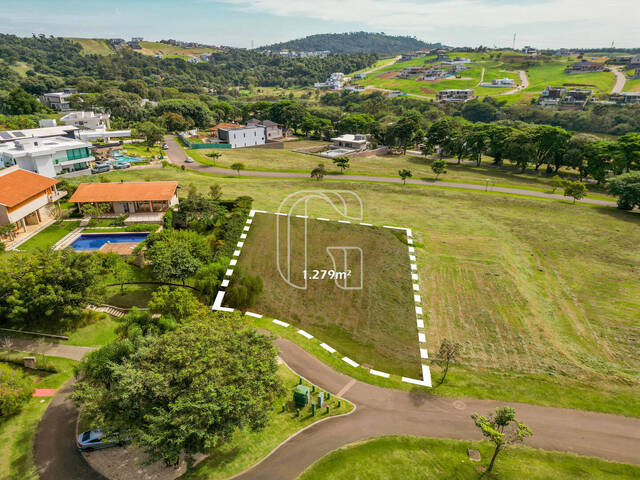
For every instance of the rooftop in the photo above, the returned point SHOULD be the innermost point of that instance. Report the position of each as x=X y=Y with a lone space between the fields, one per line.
x=17 y=185
x=10 y=135
x=31 y=146
x=124 y=192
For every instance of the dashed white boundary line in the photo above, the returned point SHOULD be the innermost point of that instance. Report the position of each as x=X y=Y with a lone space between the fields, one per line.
x=426 y=373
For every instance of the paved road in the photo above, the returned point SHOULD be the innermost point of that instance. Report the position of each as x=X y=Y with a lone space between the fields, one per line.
x=176 y=156
x=53 y=349
x=620 y=80
x=375 y=69
x=383 y=411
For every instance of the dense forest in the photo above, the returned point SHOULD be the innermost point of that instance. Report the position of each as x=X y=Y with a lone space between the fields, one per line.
x=354 y=42
x=50 y=62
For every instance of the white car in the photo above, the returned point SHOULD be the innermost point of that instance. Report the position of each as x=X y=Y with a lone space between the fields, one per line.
x=188 y=160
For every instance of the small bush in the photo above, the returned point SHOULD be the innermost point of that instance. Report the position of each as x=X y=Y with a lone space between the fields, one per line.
x=119 y=221
x=15 y=390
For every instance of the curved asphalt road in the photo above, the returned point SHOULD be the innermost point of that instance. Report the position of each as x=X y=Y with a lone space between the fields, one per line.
x=380 y=411
x=176 y=155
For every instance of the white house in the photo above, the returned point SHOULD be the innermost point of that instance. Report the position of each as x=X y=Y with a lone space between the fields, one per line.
x=272 y=129
x=499 y=82
x=347 y=140
x=47 y=156
x=59 y=101
x=248 y=136
x=26 y=199
x=86 y=119
x=68 y=131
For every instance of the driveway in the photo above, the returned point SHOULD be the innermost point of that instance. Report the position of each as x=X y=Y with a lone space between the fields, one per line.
x=382 y=411
x=176 y=156
x=620 y=80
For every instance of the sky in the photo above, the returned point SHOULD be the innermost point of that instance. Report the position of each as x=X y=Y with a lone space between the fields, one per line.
x=247 y=23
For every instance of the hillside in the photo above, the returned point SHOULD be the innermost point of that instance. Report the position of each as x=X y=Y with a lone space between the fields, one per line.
x=354 y=42
x=93 y=46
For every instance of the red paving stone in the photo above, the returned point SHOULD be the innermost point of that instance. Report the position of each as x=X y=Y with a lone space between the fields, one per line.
x=44 y=392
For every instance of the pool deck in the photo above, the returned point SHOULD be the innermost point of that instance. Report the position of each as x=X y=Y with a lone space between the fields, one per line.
x=119 y=248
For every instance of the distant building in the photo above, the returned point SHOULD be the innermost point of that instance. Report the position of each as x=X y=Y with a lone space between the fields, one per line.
x=412 y=56
x=434 y=73
x=634 y=62
x=499 y=82
x=360 y=76
x=272 y=129
x=410 y=72
x=396 y=93
x=577 y=97
x=456 y=61
x=455 y=95
x=334 y=82
x=551 y=96
x=206 y=57
x=59 y=101
x=528 y=50
x=68 y=131
x=47 y=156
x=26 y=199
x=585 y=66
x=243 y=136
x=355 y=88
x=355 y=142
x=630 y=97
x=117 y=41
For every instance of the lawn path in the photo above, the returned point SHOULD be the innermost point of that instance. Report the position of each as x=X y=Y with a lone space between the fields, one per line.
x=176 y=156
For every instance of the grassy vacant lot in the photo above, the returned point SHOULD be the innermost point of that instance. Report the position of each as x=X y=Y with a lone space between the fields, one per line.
x=552 y=73
x=93 y=46
x=543 y=294
x=287 y=160
x=375 y=325
x=153 y=48
x=416 y=458
x=50 y=235
x=17 y=433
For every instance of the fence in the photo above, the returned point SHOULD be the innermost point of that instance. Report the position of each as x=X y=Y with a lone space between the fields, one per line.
x=202 y=145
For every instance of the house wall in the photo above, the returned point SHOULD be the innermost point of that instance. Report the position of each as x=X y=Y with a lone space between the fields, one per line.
x=29 y=207
x=246 y=137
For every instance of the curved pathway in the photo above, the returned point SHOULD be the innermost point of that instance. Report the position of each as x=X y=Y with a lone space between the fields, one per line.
x=620 y=80
x=382 y=411
x=176 y=155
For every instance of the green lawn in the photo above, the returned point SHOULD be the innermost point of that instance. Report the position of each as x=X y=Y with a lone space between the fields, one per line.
x=538 y=292
x=100 y=332
x=374 y=325
x=93 y=46
x=552 y=73
x=141 y=150
x=50 y=236
x=416 y=458
x=17 y=433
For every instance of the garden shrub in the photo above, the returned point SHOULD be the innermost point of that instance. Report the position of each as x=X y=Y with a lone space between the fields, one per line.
x=15 y=390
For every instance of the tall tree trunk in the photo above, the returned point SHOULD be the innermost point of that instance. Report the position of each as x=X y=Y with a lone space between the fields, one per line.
x=493 y=459
x=444 y=375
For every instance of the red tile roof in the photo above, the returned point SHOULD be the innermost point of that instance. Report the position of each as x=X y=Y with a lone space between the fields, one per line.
x=124 y=192
x=20 y=185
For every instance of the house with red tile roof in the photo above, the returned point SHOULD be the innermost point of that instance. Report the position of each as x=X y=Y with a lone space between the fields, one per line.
x=26 y=199
x=128 y=197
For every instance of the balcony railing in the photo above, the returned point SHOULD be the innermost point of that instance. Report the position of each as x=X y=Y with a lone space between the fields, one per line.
x=55 y=196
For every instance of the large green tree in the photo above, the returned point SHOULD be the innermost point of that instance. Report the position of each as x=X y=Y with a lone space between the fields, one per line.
x=627 y=188
x=184 y=392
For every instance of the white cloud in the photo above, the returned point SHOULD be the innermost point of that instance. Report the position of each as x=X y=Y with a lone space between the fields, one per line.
x=575 y=21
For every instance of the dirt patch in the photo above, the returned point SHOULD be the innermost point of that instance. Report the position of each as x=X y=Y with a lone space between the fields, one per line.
x=428 y=91
x=388 y=74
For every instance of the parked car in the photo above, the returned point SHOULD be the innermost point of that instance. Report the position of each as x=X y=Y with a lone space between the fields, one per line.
x=165 y=146
x=188 y=160
x=94 y=440
x=101 y=168
x=121 y=165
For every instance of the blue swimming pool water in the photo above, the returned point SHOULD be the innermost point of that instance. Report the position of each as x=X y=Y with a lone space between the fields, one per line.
x=97 y=240
x=126 y=158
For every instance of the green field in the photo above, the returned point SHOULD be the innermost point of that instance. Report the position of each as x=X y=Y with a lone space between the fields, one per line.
x=287 y=160
x=553 y=74
x=171 y=51
x=542 y=294
x=374 y=325
x=93 y=46
x=414 y=458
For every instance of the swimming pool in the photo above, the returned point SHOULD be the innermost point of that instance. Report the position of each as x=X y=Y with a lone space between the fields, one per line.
x=96 y=240
x=126 y=158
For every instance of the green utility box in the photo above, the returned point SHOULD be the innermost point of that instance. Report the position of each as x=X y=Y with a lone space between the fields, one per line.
x=301 y=396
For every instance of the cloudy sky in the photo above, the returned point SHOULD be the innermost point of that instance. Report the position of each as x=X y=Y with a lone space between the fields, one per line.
x=541 y=23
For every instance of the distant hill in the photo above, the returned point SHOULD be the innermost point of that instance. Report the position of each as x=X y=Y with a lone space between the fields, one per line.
x=354 y=42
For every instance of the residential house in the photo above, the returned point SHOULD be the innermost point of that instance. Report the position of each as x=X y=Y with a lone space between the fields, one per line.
x=396 y=93
x=360 y=76
x=410 y=72
x=26 y=200
x=357 y=142
x=90 y=120
x=412 y=56
x=456 y=61
x=193 y=60
x=135 y=43
x=457 y=68
x=499 y=82
x=246 y=136
x=585 y=66
x=334 y=82
x=206 y=57
x=272 y=129
x=577 y=97
x=355 y=88
x=117 y=41
x=129 y=197
x=634 y=63
x=455 y=95
x=442 y=57
x=59 y=101
x=434 y=73
x=47 y=156
x=551 y=96
x=68 y=131
x=630 y=97
x=528 y=50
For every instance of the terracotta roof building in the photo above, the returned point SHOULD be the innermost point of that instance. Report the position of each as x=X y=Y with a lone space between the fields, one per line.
x=128 y=197
x=26 y=198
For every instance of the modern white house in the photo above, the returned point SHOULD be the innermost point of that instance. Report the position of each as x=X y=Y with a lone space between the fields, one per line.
x=334 y=82
x=59 y=101
x=47 y=156
x=26 y=200
x=499 y=82
x=43 y=132
x=82 y=119
x=248 y=136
